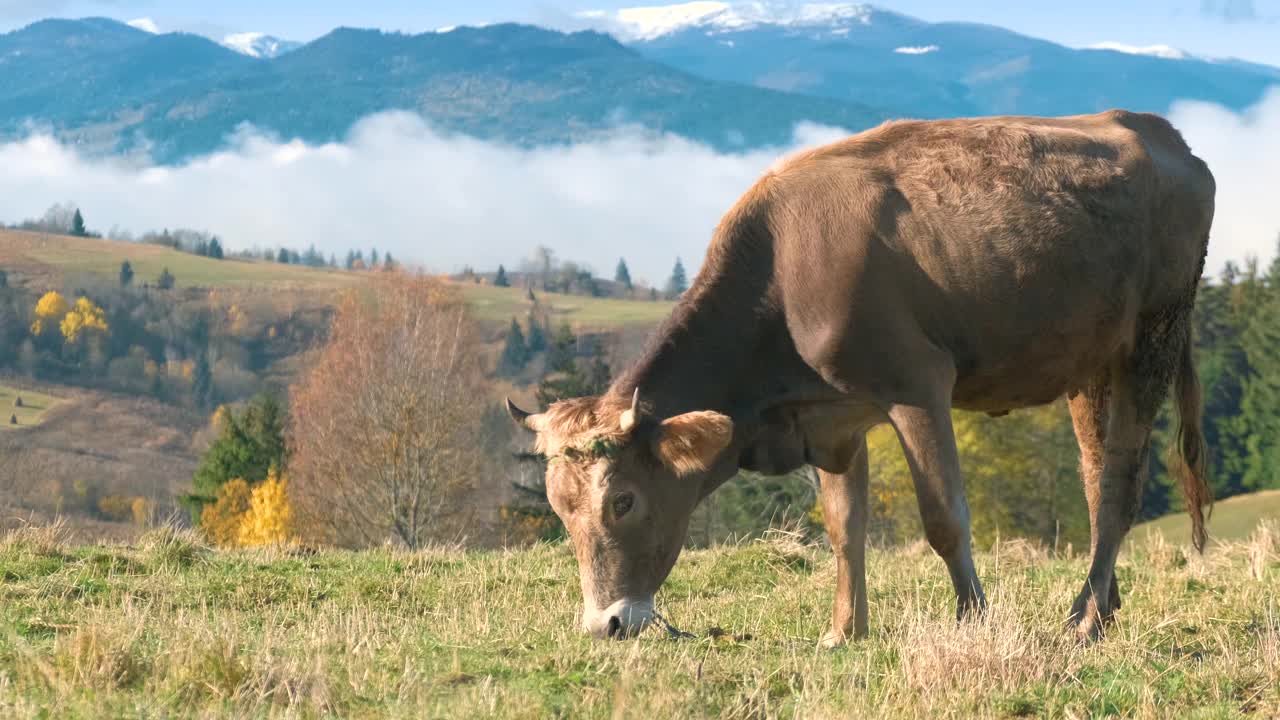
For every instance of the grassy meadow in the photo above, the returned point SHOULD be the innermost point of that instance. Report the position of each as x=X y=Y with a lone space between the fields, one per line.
x=169 y=628
x=53 y=257
x=35 y=406
x=50 y=260
x=499 y=305
x=1235 y=518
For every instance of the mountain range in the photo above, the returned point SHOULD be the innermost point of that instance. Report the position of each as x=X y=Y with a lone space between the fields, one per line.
x=731 y=76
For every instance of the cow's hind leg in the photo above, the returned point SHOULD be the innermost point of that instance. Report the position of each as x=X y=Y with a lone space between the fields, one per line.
x=1139 y=384
x=845 y=511
x=929 y=443
x=1089 y=417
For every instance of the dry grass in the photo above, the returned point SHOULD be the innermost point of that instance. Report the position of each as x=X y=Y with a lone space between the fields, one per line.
x=170 y=628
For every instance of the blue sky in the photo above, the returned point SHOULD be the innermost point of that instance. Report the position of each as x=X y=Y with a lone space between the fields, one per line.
x=1247 y=29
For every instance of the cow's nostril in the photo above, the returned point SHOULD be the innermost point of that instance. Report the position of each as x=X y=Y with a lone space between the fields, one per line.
x=615 y=627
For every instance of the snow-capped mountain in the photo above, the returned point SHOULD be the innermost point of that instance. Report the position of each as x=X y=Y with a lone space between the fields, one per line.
x=145 y=24
x=253 y=44
x=259 y=45
x=1161 y=51
x=639 y=24
x=861 y=53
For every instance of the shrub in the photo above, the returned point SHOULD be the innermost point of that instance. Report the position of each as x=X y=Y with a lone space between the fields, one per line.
x=220 y=520
x=269 y=519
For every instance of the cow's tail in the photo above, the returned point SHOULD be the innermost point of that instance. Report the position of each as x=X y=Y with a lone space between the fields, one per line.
x=1189 y=452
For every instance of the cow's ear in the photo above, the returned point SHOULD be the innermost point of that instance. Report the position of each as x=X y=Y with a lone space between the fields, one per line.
x=691 y=442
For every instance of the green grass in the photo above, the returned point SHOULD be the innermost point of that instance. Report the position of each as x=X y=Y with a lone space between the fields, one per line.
x=34 y=407
x=53 y=258
x=1233 y=519
x=171 y=629
x=72 y=256
x=497 y=305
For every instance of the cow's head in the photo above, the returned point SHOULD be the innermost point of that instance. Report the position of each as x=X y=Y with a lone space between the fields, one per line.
x=625 y=485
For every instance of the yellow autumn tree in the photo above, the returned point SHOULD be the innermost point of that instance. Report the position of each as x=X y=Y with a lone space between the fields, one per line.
x=51 y=308
x=85 y=316
x=269 y=519
x=221 y=520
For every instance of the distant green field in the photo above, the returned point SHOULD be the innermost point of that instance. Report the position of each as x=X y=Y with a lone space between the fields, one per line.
x=33 y=410
x=50 y=258
x=1233 y=519
x=498 y=304
x=41 y=254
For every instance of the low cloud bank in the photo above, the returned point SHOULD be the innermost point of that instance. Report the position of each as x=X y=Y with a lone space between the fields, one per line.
x=448 y=201
x=395 y=184
x=1243 y=151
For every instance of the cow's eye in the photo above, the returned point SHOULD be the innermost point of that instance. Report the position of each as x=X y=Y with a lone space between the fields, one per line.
x=622 y=504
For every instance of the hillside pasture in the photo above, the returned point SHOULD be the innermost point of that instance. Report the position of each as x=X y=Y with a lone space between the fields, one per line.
x=500 y=304
x=35 y=407
x=169 y=628
x=1235 y=518
x=51 y=259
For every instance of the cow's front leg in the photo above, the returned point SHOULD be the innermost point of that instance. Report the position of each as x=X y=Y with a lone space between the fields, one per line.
x=845 y=512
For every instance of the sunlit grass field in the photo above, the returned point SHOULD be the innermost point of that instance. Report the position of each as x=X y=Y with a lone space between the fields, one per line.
x=54 y=259
x=1235 y=518
x=34 y=407
x=55 y=255
x=169 y=628
x=497 y=304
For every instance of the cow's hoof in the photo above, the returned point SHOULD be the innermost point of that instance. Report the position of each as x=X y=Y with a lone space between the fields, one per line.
x=1089 y=617
x=833 y=639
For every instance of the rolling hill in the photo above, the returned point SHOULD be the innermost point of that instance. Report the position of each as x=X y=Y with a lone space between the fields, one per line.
x=41 y=261
x=1235 y=518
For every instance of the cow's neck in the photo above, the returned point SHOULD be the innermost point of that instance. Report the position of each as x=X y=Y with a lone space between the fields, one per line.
x=701 y=356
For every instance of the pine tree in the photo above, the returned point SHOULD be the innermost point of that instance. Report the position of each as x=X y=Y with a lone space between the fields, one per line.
x=282 y=256
x=678 y=283
x=373 y=258
x=333 y=260
x=202 y=383
x=351 y=260
x=126 y=274
x=622 y=275
x=537 y=341
x=500 y=279
x=215 y=249
x=388 y=263
x=248 y=446
x=565 y=378
x=166 y=281
x=77 y=225
x=515 y=351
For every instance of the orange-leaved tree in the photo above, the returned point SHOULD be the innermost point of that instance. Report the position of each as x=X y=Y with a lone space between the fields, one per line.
x=385 y=428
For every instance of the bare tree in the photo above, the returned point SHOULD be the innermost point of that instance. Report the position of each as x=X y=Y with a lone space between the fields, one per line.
x=385 y=428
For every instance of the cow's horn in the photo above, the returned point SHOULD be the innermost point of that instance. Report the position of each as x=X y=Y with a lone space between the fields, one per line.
x=629 y=417
x=520 y=416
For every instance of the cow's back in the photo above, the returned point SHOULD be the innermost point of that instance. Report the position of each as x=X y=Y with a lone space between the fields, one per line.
x=1021 y=245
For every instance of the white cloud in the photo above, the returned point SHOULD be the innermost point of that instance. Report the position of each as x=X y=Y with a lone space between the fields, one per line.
x=449 y=201
x=396 y=184
x=1243 y=151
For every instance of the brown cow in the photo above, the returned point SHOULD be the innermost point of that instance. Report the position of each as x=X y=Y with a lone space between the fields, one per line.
x=987 y=264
